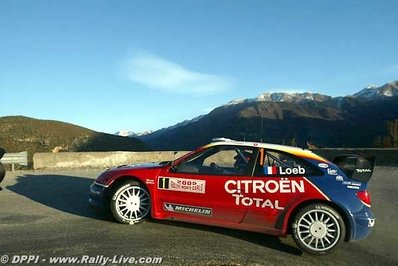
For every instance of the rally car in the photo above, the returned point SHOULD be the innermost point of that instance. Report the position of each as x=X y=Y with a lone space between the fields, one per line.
x=259 y=187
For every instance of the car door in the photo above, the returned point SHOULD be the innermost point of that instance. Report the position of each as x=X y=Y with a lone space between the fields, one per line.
x=195 y=189
x=278 y=182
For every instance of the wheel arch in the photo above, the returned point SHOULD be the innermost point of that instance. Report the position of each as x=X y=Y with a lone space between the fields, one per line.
x=334 y=205
x=122 y=179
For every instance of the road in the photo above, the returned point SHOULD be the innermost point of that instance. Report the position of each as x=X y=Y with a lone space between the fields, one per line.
x=46 y=213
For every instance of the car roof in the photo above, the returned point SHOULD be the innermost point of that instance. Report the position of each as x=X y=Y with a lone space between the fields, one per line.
x=268 y=146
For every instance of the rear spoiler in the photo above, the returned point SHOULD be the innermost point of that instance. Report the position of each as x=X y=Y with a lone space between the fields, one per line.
x=356 y=166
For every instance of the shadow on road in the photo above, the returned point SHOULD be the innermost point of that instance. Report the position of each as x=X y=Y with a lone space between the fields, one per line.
x=253 y=237
x=64 y=193
x=70 y=194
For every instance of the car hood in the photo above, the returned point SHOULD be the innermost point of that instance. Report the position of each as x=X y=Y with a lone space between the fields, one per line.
x=140 y=166
x=109 y=175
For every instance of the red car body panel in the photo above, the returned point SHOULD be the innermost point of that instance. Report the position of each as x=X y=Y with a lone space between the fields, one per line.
x=227 y=210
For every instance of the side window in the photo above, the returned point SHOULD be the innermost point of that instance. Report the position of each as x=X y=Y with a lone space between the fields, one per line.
x=219 y=160
x=223 y=158
x=277 y=163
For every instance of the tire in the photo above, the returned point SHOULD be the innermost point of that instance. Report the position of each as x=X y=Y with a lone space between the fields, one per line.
x=318 y=229
x=130 y=203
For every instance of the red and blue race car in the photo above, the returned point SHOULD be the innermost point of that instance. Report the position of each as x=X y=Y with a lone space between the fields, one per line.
x=259 y=187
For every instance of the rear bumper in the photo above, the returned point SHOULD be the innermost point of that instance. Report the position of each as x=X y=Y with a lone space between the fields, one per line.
x=363 y=222
x=98 y=196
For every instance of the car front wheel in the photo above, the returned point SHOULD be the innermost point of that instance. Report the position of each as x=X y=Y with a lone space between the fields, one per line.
x=318 y=228
x=130 y=203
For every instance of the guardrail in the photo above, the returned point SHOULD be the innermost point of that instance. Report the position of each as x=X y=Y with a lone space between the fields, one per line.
x=99 y=159
x=384 y=157
x=20 y=158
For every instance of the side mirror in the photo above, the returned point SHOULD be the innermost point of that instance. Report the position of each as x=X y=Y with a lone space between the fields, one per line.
x=173 y=168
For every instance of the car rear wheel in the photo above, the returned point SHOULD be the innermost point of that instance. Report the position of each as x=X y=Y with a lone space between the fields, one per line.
x=130 y=203
x=318 y=228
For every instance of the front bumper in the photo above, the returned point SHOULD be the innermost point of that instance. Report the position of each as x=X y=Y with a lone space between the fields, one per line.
x=99 y=197
x=363 y=222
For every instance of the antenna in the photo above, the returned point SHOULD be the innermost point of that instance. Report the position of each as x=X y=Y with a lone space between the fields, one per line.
x=261 y=129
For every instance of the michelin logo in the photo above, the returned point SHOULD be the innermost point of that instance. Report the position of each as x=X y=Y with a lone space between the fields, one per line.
x=171 y=207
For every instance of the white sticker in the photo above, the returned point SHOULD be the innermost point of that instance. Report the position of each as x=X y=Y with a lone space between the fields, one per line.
x=182 y=184
x=150 y=181
x=332 y=171
x=323 y=165
x=339 y=178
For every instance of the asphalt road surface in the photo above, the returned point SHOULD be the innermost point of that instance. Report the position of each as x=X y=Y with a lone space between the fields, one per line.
x=46 y=214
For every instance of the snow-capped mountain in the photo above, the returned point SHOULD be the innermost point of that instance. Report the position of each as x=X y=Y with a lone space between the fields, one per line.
x=372 y=91
x=352 y=120
x=292 y=97
x=127 y=133
x=369 y=92
x=283 y=97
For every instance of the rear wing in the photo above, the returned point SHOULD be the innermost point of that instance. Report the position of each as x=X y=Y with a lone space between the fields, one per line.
x=356 y=166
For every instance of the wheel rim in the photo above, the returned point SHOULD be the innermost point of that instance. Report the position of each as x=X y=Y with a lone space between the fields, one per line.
x=318 y=230
x=133 y=203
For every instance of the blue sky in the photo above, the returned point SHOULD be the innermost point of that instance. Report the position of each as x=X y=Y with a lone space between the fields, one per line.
x=138 y=65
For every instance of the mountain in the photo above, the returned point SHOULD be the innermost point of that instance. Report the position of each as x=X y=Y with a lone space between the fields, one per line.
x=164 y=131
x=19 y=133
x=373 y=92
x=131 y=134
x=350 y=121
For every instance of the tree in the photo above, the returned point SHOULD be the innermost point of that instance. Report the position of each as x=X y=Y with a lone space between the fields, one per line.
x=293 y=141
x=377 y=142
x=392 y=128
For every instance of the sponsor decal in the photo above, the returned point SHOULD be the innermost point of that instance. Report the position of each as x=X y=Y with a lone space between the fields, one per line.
x=339 y=178
x=240 y=188
x=182 y=184
x=332 y=171
x=150 y=181
x=323 y=165
x=358 y=184
x=172 y=207
x=363 y=170
x=273 y=170
x=371 y=222
x=283 y=185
